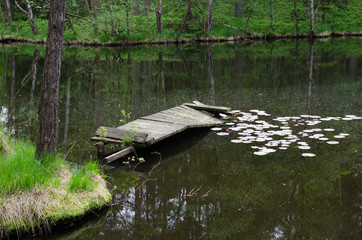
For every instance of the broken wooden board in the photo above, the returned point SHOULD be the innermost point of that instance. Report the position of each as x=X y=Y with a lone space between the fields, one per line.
x=120 y=134
x=208 y=108
x=119 y=154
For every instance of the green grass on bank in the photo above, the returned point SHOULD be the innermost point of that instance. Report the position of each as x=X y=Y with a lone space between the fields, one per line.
x=330 y=18
x=34 y=194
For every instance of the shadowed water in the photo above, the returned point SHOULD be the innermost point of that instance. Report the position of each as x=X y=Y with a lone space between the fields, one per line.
x=199 y=184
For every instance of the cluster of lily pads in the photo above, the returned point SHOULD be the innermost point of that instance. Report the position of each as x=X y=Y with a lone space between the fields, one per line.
x=271 y=137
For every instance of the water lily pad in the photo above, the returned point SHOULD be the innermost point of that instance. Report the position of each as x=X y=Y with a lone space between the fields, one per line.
x=304 y=147
x=260 y=153
x=328 y=129
x=323 y=139
x=222 y=133
x=308 y=154
x=339 y=136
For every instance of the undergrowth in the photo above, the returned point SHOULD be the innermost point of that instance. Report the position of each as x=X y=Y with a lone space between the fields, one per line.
x=36 y=194
x=21 y=171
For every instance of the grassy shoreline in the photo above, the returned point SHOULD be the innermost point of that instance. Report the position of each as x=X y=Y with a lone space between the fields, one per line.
x=35 y=196
x=8 y=39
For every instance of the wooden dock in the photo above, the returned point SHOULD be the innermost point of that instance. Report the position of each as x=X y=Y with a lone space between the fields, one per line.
x=151 y=129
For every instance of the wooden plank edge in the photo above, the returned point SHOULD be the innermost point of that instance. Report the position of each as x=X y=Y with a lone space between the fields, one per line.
x=119 y=154
x=198 y=103
x=208 y=108
x=104 y=139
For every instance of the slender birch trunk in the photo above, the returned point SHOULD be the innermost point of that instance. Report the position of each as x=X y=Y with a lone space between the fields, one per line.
x=31 y=18
x=312 y=22
x=158 y=16
x=209 y=23
x=8 y=10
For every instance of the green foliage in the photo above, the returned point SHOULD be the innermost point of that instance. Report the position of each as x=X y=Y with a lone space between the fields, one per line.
x=102 y=132
x=97 y=24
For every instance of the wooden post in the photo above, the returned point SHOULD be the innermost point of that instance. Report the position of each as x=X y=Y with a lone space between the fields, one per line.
x=100 y=150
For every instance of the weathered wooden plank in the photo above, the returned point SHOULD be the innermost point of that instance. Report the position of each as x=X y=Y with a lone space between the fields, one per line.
x=188 y=113
x=198 y=103
x=105 y=139
x=156 y=130
x=208 y=107
x=172 y=116
x=119 y=154
x=160 y=118
x=203 y=116
x=191 y=120
x=119 y=134
x=192 y=113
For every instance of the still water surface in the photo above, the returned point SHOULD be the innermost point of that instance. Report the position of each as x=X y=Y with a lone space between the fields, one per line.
x=199 y=185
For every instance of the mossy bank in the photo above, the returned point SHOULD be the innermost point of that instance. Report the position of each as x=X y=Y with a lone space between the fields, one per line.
x=37 y=195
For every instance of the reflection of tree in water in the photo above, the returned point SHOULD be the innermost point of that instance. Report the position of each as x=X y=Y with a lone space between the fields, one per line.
x=251 y=198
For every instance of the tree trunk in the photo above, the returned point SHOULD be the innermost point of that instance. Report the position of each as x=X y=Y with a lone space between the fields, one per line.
x=312 y=22
x=184 y=21
x=310 y=76
x=127 y=18
x=111 y=15
x=210 y=72
x=296 y=17
x=92 y=17
x=209 y=24
x=12 y=107
x=8 y=9
x=161 y=76
x=239 y=9
x=2 y=15
x=158 y=16
x=31 y=18
x=271 y=15
x=34 y=67
x=49 y=90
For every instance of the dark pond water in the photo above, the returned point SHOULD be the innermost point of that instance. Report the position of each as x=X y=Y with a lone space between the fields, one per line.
x=205 y=186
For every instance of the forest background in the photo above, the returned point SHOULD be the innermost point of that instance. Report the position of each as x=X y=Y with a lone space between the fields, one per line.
x=131 y=21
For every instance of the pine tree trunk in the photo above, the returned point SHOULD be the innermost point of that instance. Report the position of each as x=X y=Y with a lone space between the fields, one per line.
x=209 y=24
x=31 y=18
x=8 y=9
x=49 y=90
